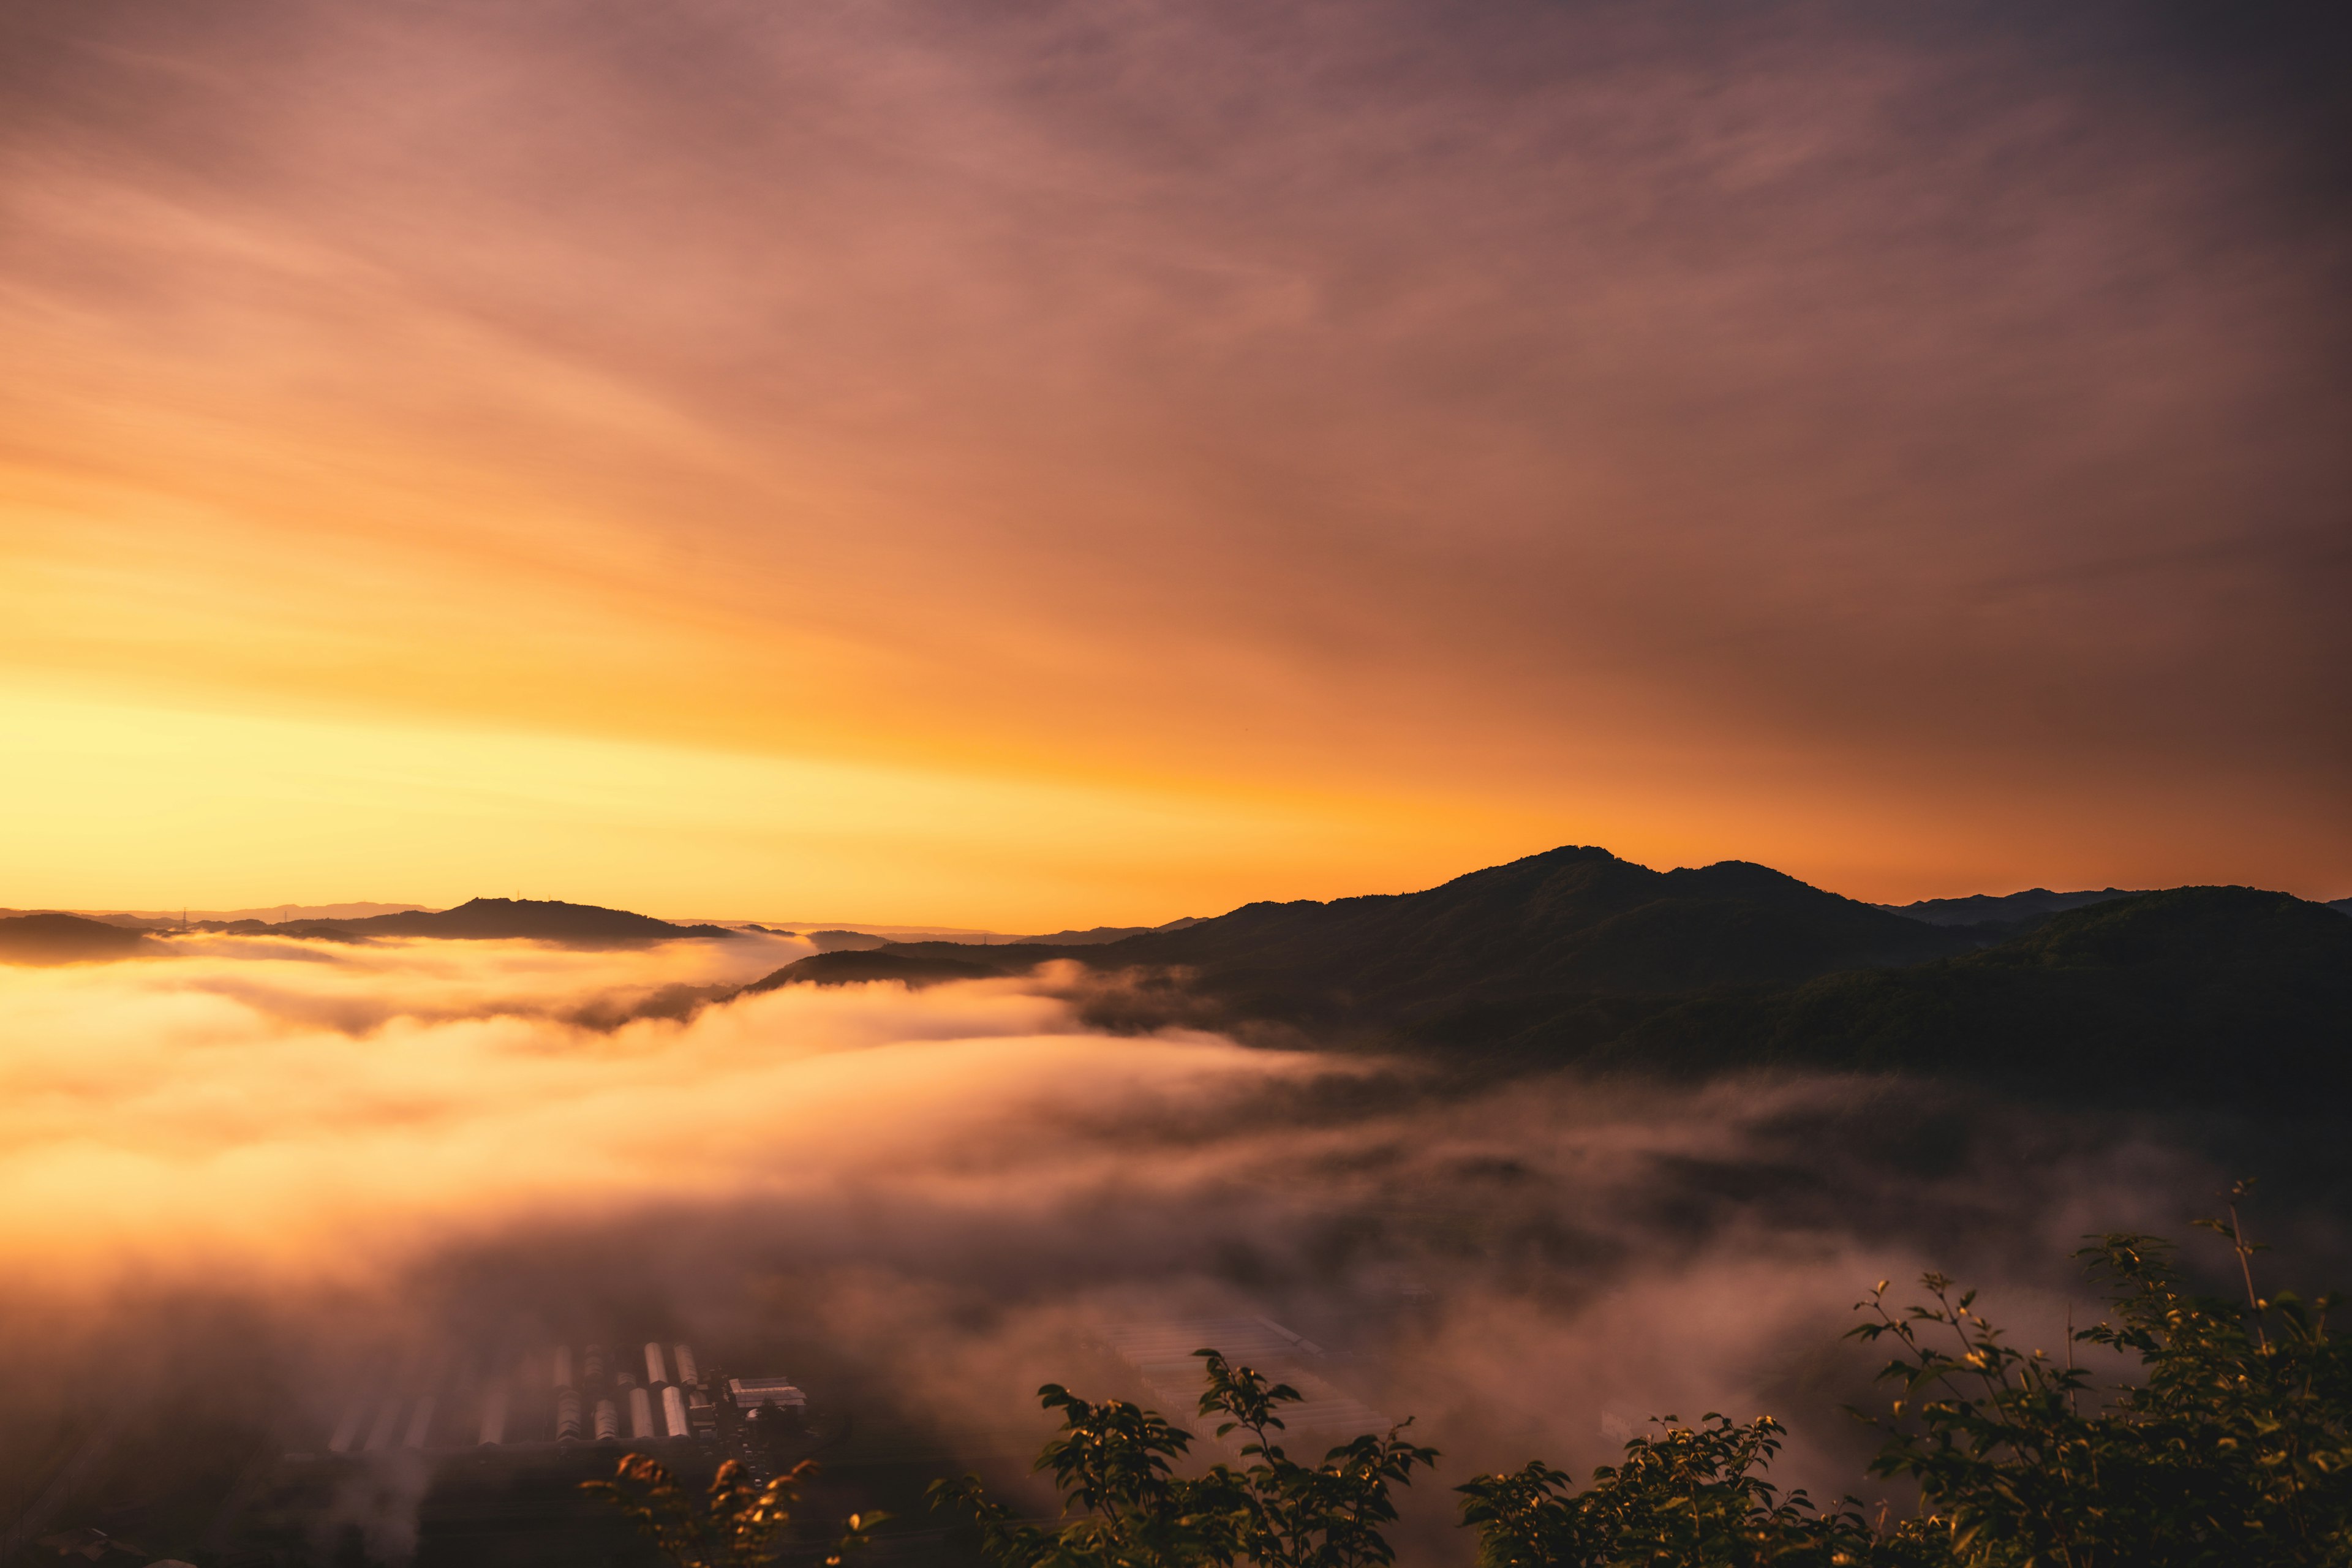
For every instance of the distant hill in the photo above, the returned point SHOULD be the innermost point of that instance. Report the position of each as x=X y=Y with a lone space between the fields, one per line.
x=2004 y=909
x=971 y=934
x=65 y=938
x=846 y=941
x=1096 y=935
x=2341 y=906
x=2228 y=994
x=846 y=938
x=2232 y=994
x=536 y=920
x=541 y=919
x=1501 y=950
x=357 y=912
x=277 y=913
x=1572 y=920
x=851 y=967
x=301 y=931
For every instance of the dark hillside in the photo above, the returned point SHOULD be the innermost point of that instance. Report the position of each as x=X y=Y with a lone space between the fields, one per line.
x=65 y=938
x=2195 y=995
x=300 y=930
x=846 y=941
x=1095 y=936
x=1574 y=916
x=481 y=919
x=1575 y=938
x=545 y=920
x=1509 y=946
x=2231 y=992
x=2005 y=909
x=852 y=966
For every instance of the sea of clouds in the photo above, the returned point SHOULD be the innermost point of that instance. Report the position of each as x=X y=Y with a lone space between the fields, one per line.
x=289 y=1158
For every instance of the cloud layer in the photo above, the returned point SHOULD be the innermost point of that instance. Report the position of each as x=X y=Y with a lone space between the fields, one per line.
x=254 y=1175
x=300 y=1115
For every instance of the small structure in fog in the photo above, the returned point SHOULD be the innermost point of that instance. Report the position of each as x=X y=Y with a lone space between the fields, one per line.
x=753 y=1393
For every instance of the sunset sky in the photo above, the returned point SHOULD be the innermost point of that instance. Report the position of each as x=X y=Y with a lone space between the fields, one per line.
x=1038 y=464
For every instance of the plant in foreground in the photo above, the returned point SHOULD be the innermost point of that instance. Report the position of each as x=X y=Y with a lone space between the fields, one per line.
x=737 y=1525
x=1124 y=1504
x=2232 y=1444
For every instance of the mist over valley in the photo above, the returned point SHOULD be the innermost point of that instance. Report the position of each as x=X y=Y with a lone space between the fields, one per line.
x=295 y=1203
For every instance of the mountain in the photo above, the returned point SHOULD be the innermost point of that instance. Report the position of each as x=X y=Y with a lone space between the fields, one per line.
x=300 y=930
x=2341 y=906
x=64 y=939
x=2003 y=909
x=846 y=941
x=536 y=920
x=839 y=939
x=2220 y=994
x=1498 y=952
x=852 y=966
x=1094 y=936
x=539 y=920
x=325 y=911
x=2232 y=994
x=280 y=914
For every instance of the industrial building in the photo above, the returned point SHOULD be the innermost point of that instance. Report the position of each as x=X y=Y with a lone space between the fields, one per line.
x=751 y=1393
x=559 y=1395
x=472 y=1455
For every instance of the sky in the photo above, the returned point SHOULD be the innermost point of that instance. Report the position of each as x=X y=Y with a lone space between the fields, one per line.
x=1044 y=464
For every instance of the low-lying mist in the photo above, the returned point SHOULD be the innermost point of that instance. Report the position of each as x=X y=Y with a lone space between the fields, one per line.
x=299 y=1113
x=234 y=1174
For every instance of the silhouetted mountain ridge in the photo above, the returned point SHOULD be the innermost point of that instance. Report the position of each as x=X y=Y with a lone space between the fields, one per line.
x=53 y=938
x=852 y=966
x=482 y=920
x=1577 y=957
x=2005 y=909
x=1575 y=920
x=2226 y=993
x=846 y=941
x=1514 y=939
x=1095 y=936
x=542 y=920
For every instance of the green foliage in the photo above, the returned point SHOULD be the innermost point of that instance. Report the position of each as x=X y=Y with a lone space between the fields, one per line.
x=2231 y=1444
x=1330 y=1515
x=737 y=1525
x=1123 y=1503
x=1689 y=1495
x=2234 y=1448
x=1113 y=1461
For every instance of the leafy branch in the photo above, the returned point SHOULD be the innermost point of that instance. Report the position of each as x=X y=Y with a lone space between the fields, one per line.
x=737 y=1525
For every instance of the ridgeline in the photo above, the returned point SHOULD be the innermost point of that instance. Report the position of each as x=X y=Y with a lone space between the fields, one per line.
x=1576 y=957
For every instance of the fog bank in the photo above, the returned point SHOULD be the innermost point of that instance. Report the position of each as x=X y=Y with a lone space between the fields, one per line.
x=250 y=1172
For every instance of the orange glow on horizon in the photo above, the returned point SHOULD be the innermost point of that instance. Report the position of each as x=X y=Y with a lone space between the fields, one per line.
x=485 y=454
